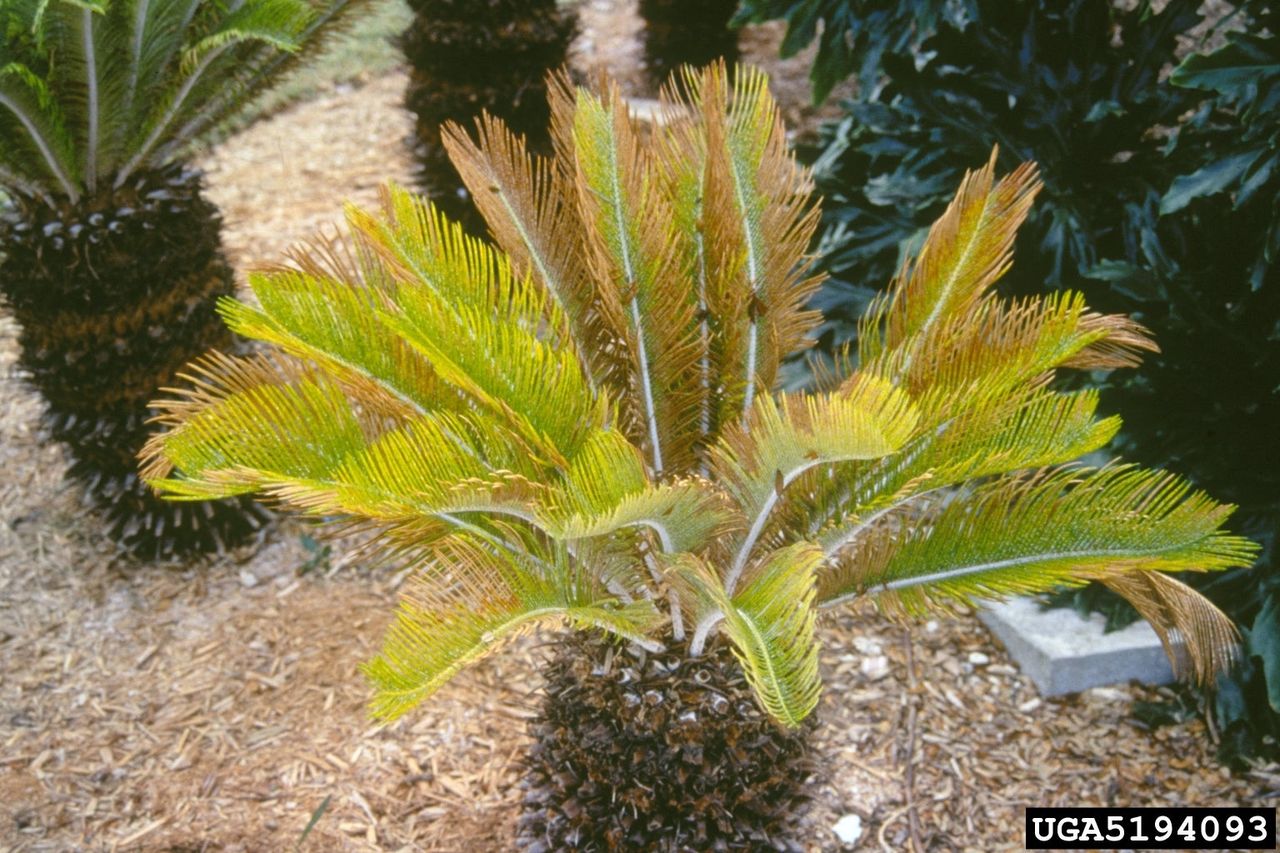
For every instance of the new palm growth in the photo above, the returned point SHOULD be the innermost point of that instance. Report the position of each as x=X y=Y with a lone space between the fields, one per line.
x=581 y=427
x=110 y=257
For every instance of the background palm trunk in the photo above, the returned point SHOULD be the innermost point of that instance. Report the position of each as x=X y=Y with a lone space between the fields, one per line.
x=113 y=296
x=467 y=56
x=687 y=32
x=641 y=751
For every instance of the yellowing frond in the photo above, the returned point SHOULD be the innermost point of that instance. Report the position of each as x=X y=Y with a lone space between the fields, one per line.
x=758 y=219
x=783 y=439
x=967 y=250
x=582 y=423
x=770 y=622
x=1027 y=534
x=475 y=599
x=338 y=327
x=632 y=245
x=532 y=213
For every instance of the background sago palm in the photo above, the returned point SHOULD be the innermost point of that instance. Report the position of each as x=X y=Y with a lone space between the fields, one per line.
x=581 y=426
x=110 y=256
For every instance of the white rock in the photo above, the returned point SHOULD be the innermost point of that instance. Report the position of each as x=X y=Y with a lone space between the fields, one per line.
x=931 y=627
x=848 y=829
x=978 y=659
x=1030 y=705
x=1108 y=694
x=875 y=667
x=866 y=646
x=248 y=578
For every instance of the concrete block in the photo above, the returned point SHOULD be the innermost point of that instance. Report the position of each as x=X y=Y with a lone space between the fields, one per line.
x=1064 y=653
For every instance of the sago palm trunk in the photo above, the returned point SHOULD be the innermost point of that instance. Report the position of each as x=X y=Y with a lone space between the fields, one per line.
x=687 y=32
x=641 y=751
x=470 y=56
x=113 y=295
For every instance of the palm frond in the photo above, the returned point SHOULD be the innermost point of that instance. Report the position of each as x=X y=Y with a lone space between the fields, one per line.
x=340 y=328
x=607 y=489
x=770 y=622
x=90 y=93
x=292 y=435
x=784 y=438
x=479 y=327
x=1026 y=534
x=632 y=245
x=1198 y=637
x=472 y=600
x=532 y=214
x=966 y=251
x=760 y=218
x=996 y=346
x=37 y=129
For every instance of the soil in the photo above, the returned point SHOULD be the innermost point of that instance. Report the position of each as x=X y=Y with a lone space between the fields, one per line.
x=218 y=706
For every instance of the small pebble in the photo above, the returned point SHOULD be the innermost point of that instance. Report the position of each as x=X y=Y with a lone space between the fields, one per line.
x=866 y=646
x=978 y=659
x=248 y=579
x=931 y=627
x=1030 y=705
x=848 y=829
x=1002 y=669
x=875 y=667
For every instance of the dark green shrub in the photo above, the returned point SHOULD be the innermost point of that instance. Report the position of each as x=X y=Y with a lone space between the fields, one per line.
x=1160 y=201
x=852 y=34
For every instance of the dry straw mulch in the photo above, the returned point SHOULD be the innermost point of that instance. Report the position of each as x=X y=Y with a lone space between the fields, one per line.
x=218 y=706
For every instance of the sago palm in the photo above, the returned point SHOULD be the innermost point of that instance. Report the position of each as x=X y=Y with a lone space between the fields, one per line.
x=110 y=256
x=471 y=56
x=684 y=32
x=581 y=426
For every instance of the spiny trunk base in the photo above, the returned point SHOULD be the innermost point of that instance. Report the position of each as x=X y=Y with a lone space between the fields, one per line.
x=114 y=295
x=641 y=751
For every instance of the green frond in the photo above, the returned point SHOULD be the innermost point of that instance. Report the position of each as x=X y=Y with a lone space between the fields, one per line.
x=338 y=326
x=90 y=93
x=471 y=602
x=784 y=438
x=770 y=621
x=36 y=144
x=1026 y=534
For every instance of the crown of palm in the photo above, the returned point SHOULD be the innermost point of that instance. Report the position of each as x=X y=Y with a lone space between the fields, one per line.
x=579 y=423
x=91 y=91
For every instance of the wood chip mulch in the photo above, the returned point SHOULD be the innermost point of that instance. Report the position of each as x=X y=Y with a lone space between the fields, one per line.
x=218 y=706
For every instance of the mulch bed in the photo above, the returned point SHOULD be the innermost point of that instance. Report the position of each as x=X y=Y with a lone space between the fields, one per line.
x=218 y=706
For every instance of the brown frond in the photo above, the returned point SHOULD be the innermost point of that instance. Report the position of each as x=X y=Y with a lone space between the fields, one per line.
x=760 y=215
x=633 y=247
x=1199 y=638
x=967 y=250
x=1122 y=344
x=532 y=214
